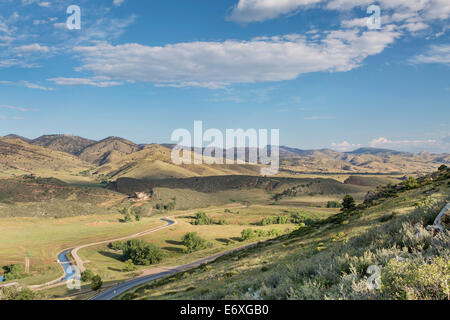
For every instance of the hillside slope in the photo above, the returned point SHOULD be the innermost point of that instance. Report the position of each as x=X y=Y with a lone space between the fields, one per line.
x=18 y=157
x=63 y=142
x=107 y=150
x=367 y=160
x=333 y=258
x=48 y=197
x=154 y=162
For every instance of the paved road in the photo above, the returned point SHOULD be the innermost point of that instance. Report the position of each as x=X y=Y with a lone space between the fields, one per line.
x=66 y=265
x=80 y=263
x=117 y=290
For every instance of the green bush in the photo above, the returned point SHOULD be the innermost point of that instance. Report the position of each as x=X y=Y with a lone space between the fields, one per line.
x=417 y=281
x=141 y=252
x=348 y=204
x=87 y=275
x=96 y=282
x=193 y=242
x=13 y=272
x=116 y=245
x=202 y=219
x=13 y=293
x=334 y=204
x=129 y=266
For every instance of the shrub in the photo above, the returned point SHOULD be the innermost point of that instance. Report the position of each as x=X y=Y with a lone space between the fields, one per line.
x=96 y=282
x=13 y=272
x=202 y=219
x=13 y=293
x=116 y=245
x=334 y=204
x=417 y=281
x=348 y=204
x=141 y=252
x=129 y=266
x=410 y=183
x=87 y=275
x=194 y=242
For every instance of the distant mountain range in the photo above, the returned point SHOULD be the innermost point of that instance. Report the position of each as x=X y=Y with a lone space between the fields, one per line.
x=117 y=157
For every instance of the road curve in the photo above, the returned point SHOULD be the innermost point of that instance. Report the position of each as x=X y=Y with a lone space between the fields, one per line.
x=80 y=263
x=119 y=289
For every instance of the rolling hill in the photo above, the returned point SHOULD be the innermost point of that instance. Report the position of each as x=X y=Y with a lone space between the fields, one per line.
x=19 y=157
x=107 y=150
x=332 y=259
x=63 y=142
x=154 y=162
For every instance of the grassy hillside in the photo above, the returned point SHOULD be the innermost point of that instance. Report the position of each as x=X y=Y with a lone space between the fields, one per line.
x=63 y=142
x=221 y=183
x=49 y=197
x=367 y=160
x=154 y=162
x=107 y=150
x=329 y=259
x=18 y=157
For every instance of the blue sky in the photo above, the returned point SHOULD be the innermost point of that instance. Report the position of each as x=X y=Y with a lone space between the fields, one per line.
x=311 y=68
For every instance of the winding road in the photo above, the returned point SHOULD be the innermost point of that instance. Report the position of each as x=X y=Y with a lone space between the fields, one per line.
x=119 y=289
x=124 y=286
x=80 y=263
x=67 y=265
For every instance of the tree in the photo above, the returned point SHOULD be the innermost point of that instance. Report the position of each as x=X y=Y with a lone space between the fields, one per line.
x=96 y=282
x=14 y=271
x=443 y=168
x=87 y=275
x=247 y=234
x=141 y=252
x=348 y=203
x=411 y=183
x=129 y=266
x=193 y=242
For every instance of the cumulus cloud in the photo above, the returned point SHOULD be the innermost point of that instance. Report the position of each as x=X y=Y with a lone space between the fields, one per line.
x=259 y=10
x=436 y=54
x=221 y=63
x=431 y=145
x=118 y=3
x=345 y=146
x=31 y=48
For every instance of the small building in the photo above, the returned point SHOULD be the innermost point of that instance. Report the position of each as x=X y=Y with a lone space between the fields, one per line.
x=142 y=196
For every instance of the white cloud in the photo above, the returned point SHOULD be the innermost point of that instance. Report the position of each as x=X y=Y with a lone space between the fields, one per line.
x=118 y=3
x=35 y=47
x=431 y=145
x=436 y=54
x=27 y=85
x=21 y=109
x=438 y=146
x=345 y=146
x=45 y=4
x=259 y=10
x=217 y=64
x=95 y=81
